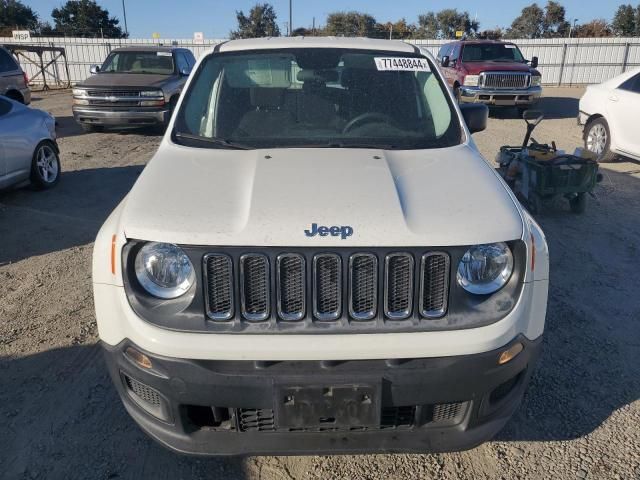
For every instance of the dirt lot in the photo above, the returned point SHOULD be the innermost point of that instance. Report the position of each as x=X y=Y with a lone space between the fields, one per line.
x=61 y=418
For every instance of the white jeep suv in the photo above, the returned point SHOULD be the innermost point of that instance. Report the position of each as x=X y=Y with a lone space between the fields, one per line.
x=317 y=259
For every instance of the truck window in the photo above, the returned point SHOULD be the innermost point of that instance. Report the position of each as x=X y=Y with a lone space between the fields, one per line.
x=143 y=62
x=319 y=97
x=491 y=52
x=181 y=61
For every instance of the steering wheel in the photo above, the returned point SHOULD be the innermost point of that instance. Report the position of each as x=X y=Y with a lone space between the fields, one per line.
x=368 y=117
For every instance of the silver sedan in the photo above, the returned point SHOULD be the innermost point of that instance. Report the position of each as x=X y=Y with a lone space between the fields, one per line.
x=28 y=148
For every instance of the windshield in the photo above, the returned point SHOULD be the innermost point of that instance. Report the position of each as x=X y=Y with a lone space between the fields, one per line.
x=159 y=63
x=492 y=52
x=316 y=98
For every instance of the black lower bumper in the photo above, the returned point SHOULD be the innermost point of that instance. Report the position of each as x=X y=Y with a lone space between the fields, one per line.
x=312 y=407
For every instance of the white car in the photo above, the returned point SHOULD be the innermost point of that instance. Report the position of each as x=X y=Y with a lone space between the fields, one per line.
x=318 y=259
x=610 y=113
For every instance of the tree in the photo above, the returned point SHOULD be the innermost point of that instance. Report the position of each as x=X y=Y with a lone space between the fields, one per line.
x=555 y=24
x=85 y=18
x=16 y=15
x=351 y=24
x=530 y=23
x=491 y=34
x=593 y=29
x=451 y=21
x=427 y=26
x=399 y=30
x=624 y=21
x=261 y=22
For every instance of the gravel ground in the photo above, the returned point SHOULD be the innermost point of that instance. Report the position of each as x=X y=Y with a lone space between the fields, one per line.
x=61 y=418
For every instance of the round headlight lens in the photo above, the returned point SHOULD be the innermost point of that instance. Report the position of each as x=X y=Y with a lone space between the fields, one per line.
x=485 y=269
x=164 y=270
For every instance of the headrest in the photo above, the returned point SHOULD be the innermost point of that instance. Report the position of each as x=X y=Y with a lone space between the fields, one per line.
x=267 y=97
x=317 y=76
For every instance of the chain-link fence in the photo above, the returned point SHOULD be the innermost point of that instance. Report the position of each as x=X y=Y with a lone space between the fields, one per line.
x=562 y=61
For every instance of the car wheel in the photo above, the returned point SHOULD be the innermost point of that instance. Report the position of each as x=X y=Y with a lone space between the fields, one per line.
x=45 y=166
x=597 y=139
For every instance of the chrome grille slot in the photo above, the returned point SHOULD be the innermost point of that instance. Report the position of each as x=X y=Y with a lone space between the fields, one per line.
x=254 y=287
x=327 y=286
x=291 y=286
x=219 y=281
x=506 y=80
x=363 y=286
x=434 y=284
x=398 y=286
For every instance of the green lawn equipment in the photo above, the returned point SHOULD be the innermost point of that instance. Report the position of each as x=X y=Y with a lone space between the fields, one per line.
x=538 y=172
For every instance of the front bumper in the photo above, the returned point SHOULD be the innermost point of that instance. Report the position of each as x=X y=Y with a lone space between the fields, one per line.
x=221 y=407
x=122 y=117
x=26 y=95
x=500 y=96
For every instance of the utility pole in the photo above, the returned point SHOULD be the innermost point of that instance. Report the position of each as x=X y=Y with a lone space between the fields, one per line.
x=391 y=32
x=313 y=29
x=290 y=18
x=572 y=27
x=124 y=12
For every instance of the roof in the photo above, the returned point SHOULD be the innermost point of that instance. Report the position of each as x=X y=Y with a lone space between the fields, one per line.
x=317 y=42
x=147 y=48
x=480 y=41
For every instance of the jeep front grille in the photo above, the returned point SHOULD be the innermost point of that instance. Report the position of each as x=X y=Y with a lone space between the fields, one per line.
x=219 y=295
x=291 y=286
x=363 y=286
x=434 y=284
x=398 y=288
x=505 y=80
x=254 y=287
x=327 y=286
x=306 y=288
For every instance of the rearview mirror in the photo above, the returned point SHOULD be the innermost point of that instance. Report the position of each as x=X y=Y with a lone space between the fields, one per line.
x=185 y=72
x=94 y=69
x=534 y=62
x=445 y=61
x=475 y=116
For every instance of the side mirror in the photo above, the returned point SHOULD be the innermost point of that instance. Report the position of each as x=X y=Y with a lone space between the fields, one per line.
x=185 y=72
x=475 y=116
x=94 y=69
x=445 y=61
x=534 y=62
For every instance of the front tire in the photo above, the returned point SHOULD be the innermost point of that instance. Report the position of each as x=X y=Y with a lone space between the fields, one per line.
x=597 y=140
x=578 y=204
x=45 y=166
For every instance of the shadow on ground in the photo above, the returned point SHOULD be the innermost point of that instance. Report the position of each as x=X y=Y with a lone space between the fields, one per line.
x=38 y=222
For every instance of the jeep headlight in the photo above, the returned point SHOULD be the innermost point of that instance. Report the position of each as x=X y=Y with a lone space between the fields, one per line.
x=471 y=81
x=485 y=269
x=164 y=270
x=535 y=80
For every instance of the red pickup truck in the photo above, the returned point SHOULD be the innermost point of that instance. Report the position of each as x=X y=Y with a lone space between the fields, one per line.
x=491 y=72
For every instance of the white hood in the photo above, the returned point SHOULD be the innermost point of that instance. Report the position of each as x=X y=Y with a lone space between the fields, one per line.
x=269 y=197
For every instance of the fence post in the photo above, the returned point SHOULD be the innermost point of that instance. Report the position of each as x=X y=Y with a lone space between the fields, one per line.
x=564 y=56
x=625 y=58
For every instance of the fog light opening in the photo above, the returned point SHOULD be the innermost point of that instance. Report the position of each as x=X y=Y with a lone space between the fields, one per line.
x=511 y=353
x=138 y=358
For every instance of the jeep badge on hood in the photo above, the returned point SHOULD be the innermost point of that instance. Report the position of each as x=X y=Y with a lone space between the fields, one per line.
x=343 y=231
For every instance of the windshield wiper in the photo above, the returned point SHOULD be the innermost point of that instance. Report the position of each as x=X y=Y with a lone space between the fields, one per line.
x=213 y=141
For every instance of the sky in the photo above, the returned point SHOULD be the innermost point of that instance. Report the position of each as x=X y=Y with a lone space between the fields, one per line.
x=215 y=18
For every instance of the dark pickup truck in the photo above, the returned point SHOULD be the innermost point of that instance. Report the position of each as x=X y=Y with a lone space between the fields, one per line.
x=135 y=86
x=490 y=72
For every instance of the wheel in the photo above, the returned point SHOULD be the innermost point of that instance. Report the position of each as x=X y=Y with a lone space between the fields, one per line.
x=45 y=166
x=578 y=203
x=597 y=139
x=90 y=128
x=456 y=92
